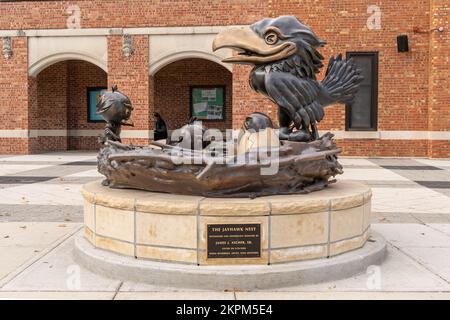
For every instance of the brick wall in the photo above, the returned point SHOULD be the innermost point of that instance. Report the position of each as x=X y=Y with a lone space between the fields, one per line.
x=131 y=75
x=136 y=13
x=51 y=112
x=383 y=148
x=61 y=104
x=439 y=90
x=414 y=88
x=172 y=90
x=14 y=96
x=81 y=76
x=403 y=77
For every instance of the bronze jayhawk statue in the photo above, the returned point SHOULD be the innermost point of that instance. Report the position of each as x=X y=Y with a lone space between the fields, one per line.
x=284 y=54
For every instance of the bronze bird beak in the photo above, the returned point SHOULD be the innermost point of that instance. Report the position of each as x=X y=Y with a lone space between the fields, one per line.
x=250 y=47
x=128 y=122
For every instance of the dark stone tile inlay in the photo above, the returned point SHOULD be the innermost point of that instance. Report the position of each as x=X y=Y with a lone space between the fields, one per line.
x=435 y=184
x=22 y=179
x=80 y=163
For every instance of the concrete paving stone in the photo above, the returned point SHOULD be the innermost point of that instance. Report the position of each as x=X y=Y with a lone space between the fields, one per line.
x=14 y=257
x=444 y=164
x=371 y=174
x=130 y=286
x=69 y=156
x=57 y=271
x=33 y=162
x=55 y=295
x=406 y=168
x=53 y=171
x=179 y=295
x=342 y=295
x=398 y=273
x=391 y=184
x=91 y=173
x=31 y=233
x=424 y=175
x=395 y=161
x=392 y=217
x=412 y=235
x=51 y=194
x=445 y=192
x=21 y=242
x=8 y=169
x=356 y=162
x=9 y=185
x=435 y=259
x=431 y=217
x=40 y=213
x=409 y=200
x=354 y=166
x=70 y=180
x=442 y=227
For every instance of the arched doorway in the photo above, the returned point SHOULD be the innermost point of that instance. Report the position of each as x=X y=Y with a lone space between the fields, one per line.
x=60 y=116
x=175 y=83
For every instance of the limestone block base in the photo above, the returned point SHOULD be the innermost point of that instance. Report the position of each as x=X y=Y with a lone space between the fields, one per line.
x=173 y=228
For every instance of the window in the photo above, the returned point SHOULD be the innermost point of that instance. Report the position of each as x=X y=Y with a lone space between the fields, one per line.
x=361 y=114
x=93 y=97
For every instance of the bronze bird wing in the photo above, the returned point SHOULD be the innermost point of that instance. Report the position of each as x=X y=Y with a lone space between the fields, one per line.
x=298 y=97
x=104 y=103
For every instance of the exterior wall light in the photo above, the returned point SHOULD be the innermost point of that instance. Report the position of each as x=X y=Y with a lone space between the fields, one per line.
x=417 y=30
x=127 y=47
x=7 y=47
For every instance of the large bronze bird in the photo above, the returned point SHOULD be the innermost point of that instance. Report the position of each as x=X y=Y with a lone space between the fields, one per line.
x=284 y=54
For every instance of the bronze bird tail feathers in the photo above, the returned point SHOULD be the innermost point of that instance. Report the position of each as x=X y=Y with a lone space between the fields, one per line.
x=341 y=81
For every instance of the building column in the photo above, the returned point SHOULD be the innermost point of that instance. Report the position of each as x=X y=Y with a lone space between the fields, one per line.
x=15 y=99
x=151 y=104
x=439 y=82
x=131 y=75
x=33 y=115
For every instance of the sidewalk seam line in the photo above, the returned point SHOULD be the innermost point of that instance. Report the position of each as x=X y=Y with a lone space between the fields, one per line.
x=27 y=264
x=117 y=290
x=420 y=263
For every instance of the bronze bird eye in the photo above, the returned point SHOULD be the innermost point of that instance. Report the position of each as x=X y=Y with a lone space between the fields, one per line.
x=271 y=38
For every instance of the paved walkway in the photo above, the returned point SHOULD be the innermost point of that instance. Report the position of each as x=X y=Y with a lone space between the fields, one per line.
x=41 y=211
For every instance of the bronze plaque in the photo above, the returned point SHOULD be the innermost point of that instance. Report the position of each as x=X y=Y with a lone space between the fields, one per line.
x=234 y=241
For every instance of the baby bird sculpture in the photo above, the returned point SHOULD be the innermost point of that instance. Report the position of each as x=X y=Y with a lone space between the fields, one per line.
x=115 y=108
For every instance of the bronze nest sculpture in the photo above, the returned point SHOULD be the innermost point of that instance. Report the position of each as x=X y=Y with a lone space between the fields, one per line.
x=263 y=161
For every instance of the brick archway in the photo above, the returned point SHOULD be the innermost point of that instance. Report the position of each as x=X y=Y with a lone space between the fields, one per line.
x=59 y=109
x=50 y=60
x=172 y=88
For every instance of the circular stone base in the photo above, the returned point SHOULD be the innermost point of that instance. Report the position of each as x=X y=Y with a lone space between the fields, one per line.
x=243 y=277
x=233 y=231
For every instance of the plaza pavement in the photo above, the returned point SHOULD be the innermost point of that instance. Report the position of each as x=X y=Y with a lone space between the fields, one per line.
x=41 y=212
